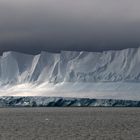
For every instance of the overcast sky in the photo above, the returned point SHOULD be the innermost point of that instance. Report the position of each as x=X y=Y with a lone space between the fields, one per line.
x=53 y=25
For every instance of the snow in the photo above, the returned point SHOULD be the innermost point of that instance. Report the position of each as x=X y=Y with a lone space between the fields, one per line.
x=108 y=74
x=110 y=66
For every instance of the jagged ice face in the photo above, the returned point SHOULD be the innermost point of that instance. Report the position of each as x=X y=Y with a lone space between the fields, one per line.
x=109 y=74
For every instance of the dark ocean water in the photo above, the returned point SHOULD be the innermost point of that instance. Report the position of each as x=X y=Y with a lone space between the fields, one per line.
x=68 y=123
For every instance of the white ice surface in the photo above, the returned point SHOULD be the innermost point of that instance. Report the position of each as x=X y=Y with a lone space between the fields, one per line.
x=119 y=90
x=109 y=74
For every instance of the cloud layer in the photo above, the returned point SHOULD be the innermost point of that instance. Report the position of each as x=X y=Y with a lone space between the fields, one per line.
x=54 y=25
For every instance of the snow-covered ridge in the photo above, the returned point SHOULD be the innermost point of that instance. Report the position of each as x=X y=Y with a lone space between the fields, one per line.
x=64 y=102
x=69 y=66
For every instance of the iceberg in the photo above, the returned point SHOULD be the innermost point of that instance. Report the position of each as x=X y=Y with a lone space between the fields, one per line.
x=103 y=75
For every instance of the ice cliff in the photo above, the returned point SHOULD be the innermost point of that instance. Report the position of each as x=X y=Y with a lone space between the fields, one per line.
x=64 y=102
x=108 y=66
x=100 y=72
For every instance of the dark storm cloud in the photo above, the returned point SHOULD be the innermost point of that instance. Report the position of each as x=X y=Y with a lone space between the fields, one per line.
x=54 y=25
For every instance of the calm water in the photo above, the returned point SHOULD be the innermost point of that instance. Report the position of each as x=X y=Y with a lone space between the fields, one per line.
x=69 y=123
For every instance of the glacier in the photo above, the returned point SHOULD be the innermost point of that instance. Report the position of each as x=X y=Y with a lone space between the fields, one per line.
x=33 y=101
x=113 y=74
